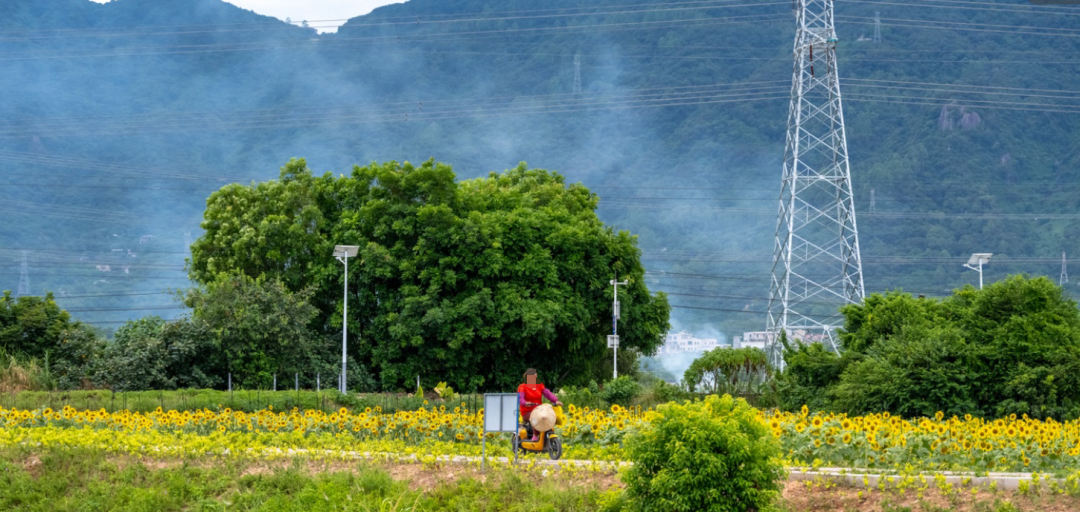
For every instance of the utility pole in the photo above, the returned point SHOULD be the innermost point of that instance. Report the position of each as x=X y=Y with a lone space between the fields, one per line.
x=877 y=27
x=816 y=252
x=577 y=74
x=873 y=207
x=613 y=340
x=1064 y=279
x=24 y=277
x=342 y=253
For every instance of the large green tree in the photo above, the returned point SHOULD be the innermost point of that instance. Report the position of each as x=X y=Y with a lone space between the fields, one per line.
x=466 y=282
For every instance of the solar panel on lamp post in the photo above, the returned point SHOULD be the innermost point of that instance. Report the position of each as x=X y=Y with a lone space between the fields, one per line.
x=979 y=258
x=343 y=253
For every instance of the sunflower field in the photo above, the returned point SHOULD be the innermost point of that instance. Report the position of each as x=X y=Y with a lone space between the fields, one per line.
x=875 y=441
x=883 y=441
x=429 y=430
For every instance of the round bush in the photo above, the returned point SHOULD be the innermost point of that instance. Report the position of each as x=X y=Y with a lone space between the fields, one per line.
x=711 y=455
x=621 y=391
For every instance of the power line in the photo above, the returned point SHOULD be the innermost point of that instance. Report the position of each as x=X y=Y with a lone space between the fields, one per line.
x=939 y=4
x=439 y=37
x=108 y=322
x=968 y=26
x=889 y=215
x=478 y=105
x=869 y=98
x=112 y=187
x=542 y=104
x=702 y=99
x=1021 y=90
x=417 y=22
x=110 y=275
x=138 y=308
x=85 y=250
x=107 y=295
x=411 y=19
x=62 y=161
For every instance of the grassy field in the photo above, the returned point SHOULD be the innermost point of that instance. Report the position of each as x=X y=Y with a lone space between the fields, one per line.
x=54 y=479
x=90 y=480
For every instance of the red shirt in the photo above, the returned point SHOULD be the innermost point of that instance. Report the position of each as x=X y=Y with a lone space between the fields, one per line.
x=533 y=393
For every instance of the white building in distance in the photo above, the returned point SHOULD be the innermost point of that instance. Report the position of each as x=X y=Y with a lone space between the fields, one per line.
x=752 y=339
x=760 y=339
x=685 y=342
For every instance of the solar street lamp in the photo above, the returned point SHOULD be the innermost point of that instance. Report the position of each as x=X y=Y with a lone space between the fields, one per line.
x=980 y=259
x=613 y=340
x=343 y=253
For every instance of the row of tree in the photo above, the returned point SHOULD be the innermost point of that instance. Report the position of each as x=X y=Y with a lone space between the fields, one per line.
x=468 y=283
x=1012 y=348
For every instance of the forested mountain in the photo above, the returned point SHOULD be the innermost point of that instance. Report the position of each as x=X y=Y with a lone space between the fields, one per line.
x=118 y=119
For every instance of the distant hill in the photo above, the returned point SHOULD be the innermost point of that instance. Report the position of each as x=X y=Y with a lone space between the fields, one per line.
x=120 y=118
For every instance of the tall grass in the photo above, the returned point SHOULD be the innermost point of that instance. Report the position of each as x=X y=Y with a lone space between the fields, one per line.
x=24 y=374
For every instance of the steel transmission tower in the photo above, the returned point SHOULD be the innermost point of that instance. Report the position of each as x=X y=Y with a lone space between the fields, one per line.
x=1064 y=279
x=577 y=74
x=877 y=27
x=816 y=266
x=24 y=277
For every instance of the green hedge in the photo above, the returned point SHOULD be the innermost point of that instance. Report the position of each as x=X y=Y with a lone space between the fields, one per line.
x=245 y=400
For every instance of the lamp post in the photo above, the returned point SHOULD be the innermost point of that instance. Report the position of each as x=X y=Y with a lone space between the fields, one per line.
x=979 y=258
x=343 y=253
x=613 y=340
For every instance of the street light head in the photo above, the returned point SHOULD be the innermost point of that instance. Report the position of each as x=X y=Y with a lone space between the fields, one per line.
x=979 y=258
x=346 y=251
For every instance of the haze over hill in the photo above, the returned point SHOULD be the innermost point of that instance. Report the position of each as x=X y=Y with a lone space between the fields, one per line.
x=120 y=118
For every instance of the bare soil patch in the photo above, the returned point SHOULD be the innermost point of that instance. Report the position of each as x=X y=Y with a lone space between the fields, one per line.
x=32 y=465
x=797 y=497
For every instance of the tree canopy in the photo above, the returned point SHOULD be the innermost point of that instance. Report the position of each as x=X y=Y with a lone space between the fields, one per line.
x=1012 y=348
x=32 y=326
x=725 y=370
x=465 y=282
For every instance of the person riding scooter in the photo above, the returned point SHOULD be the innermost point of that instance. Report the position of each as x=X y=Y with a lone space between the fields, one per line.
x=530 y=396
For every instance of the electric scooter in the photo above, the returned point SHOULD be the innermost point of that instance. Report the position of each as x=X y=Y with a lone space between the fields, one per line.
x=546 y=442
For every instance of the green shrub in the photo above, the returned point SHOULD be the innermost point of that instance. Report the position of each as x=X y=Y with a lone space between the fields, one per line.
x=577 y=395
x=811 y=372
x=711 y=455
x=621 y=391
x=655 y=391
x=917 y=372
